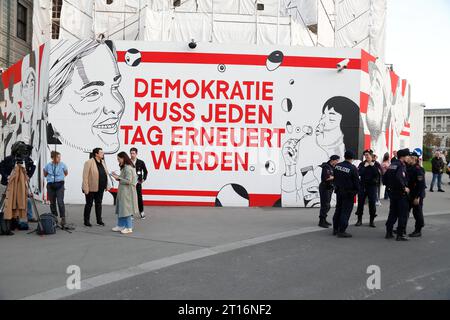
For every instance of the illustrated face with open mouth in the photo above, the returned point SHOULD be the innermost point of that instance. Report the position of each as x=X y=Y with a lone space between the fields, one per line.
x=92 y=101
x=328 y=131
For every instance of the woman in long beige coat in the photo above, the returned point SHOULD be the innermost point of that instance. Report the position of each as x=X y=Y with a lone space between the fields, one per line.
x=126 y=204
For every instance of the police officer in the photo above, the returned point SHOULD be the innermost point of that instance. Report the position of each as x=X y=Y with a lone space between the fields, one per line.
x=370 y=172
x=396 y=180
x=326 y=188
x=417 y=187
x=346 y=182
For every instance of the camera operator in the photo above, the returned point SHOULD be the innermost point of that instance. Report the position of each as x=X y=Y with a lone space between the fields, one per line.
x=20 y=154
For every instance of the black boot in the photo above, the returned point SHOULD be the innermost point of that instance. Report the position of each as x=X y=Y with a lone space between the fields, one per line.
x=359 y=222
x=344 y=235
x=323 y=224
x=335 y=232
x=416 y=234
x=372 y=224
x=401 y=236
x=389 y=235
x=326 y=222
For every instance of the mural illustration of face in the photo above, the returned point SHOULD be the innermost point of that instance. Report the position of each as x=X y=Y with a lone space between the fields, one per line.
x=328 y=131
x=28 y=91
x=92 y=100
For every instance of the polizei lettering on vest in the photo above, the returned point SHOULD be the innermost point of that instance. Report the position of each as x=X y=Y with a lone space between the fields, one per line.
x=343 y=169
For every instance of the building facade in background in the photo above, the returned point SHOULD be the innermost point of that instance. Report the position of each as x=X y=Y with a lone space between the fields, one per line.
x=16 y=31
x=437 y=122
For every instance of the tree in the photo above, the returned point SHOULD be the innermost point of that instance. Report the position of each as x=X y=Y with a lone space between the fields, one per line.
x=431 y=140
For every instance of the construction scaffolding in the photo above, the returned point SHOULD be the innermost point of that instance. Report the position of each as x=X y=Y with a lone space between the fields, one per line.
x=327 y=23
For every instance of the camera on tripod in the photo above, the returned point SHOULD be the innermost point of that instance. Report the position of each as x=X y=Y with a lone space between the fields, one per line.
x=20 y=151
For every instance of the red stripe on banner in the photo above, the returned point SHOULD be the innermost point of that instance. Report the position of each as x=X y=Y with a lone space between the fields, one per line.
x=15 y=71
x=365 y=59
x=263 y=200
x=41 y=53
x=407 y=125
x=394 y=81
x=364 y=102
x=367 y=141
x=178 y=203
x=392 y=141
x=387 y=139
x=404 y=83
x=405 y=133
x=238 y=59
x=194 y=193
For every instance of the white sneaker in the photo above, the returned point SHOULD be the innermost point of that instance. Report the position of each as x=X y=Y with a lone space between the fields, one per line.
x=126 y=231
x=378 y=204
x=117 y=229
x=142 y=214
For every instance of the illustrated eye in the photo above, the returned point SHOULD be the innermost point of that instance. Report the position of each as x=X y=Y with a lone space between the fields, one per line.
x=92 y=95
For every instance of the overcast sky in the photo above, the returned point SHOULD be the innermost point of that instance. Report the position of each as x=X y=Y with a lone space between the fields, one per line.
x=418 y=44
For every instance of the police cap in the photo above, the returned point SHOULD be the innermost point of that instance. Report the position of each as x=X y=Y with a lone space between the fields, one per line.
x=334 y=157
x=403 y=153
x=349 y=155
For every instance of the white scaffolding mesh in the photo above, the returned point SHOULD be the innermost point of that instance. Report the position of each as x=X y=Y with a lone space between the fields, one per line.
x=328 y=23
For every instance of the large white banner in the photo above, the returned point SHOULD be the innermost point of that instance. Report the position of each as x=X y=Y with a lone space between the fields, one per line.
x=217 y=125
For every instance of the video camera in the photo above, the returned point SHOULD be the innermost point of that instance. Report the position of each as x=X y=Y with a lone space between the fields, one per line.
x=20 y=151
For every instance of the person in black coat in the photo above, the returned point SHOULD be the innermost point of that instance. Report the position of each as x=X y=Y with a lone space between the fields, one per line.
x=437 y=168
x=417 y=187
x=370 y=174
x=142 y=173
x=396 y=180
x=346 y=182
x=326 y=188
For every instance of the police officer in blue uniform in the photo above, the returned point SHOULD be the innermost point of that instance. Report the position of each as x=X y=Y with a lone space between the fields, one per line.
x=326 y=188
x=346 y=182
x=417 y=187
x=370 y=173
x=396 y=180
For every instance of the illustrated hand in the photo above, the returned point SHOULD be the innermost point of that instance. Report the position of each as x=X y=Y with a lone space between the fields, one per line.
x=290 y=153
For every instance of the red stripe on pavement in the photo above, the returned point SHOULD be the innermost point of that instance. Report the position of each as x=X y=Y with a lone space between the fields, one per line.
x=238 y=59
x=364 y=102
x=178 y=203
x=263 y=200
x=365 y=59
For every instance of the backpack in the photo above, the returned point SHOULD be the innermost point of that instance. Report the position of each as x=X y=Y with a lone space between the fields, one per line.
x=47 y=224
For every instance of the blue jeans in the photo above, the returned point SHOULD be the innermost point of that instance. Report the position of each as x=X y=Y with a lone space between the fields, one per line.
x=438 y=177
x=125 y=222
x=29 y=209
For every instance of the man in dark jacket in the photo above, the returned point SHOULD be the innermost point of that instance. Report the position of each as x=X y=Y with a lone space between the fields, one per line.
x=437 y=168
x=326 y=188
x=142 y=172
x=396 y=180
x=370 y=173
x=417 y=187
x=346 y=182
